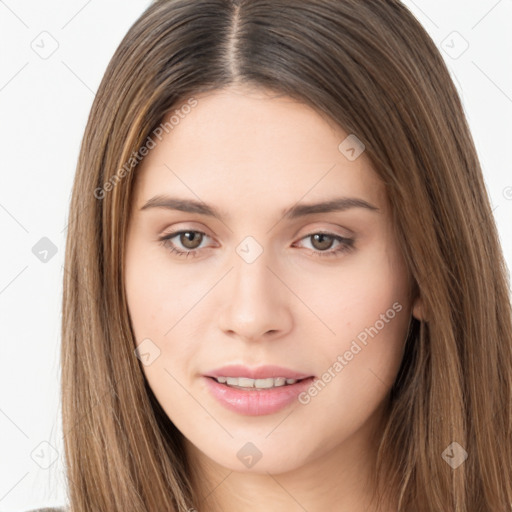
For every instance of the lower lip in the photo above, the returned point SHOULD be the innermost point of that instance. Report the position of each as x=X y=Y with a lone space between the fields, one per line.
x=256 y=402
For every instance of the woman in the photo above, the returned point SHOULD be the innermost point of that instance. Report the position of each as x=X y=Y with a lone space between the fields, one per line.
x=284 y=287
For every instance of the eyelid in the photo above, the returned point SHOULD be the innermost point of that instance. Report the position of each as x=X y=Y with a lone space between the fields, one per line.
x=326 y=228
x=176 y=229
x=320 y=227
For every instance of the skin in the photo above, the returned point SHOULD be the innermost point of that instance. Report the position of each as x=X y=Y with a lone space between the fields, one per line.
x=251 y=154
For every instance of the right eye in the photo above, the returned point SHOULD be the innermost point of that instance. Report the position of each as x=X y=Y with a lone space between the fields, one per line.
x=188 y=239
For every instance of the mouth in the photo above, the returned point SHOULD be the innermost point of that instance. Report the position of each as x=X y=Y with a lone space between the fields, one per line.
x=267 y=396
x=248 y=384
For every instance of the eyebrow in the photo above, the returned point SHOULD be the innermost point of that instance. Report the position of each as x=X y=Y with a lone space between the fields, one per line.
x=298 y=210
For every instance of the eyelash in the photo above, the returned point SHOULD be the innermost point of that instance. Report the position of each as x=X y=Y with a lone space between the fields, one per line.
x=346 y=244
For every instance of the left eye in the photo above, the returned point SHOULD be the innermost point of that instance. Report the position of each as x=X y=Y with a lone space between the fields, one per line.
x=344 y=244
x=191 y=240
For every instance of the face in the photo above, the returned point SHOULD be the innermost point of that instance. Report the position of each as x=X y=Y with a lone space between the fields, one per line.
x=323 y=294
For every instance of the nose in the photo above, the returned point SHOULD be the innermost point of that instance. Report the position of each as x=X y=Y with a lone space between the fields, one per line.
x=257 y=302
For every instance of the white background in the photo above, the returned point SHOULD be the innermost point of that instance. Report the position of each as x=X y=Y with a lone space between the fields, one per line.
x=44 y=104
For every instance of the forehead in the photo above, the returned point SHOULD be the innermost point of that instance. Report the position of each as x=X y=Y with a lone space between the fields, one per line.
x=252 y=148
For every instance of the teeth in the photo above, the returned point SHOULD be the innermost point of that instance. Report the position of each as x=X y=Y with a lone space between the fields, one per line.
x=244 y=382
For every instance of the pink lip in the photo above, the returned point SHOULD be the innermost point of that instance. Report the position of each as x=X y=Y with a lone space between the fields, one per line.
x=260 y=372
x=256 y=402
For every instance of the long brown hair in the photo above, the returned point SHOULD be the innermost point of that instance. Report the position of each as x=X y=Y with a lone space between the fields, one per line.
x=372 y=68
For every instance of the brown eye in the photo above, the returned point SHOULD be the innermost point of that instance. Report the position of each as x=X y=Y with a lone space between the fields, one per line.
x=187 y=242
x=191 y=239
x=322 y=241
x=327 y=245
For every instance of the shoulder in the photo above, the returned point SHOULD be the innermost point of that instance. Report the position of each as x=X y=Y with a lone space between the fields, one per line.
x=49 y=509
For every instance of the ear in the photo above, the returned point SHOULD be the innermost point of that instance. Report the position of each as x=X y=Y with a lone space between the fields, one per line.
x=418 y=309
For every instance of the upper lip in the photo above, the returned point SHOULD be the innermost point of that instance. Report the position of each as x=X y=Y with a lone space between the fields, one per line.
x=260 y=372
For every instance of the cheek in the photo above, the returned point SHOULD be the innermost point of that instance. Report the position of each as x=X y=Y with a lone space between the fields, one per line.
x=144 y=293
x=157 y=304
x=353 y=296
x=157 y=294
x=161 y=298
x=366 y=308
